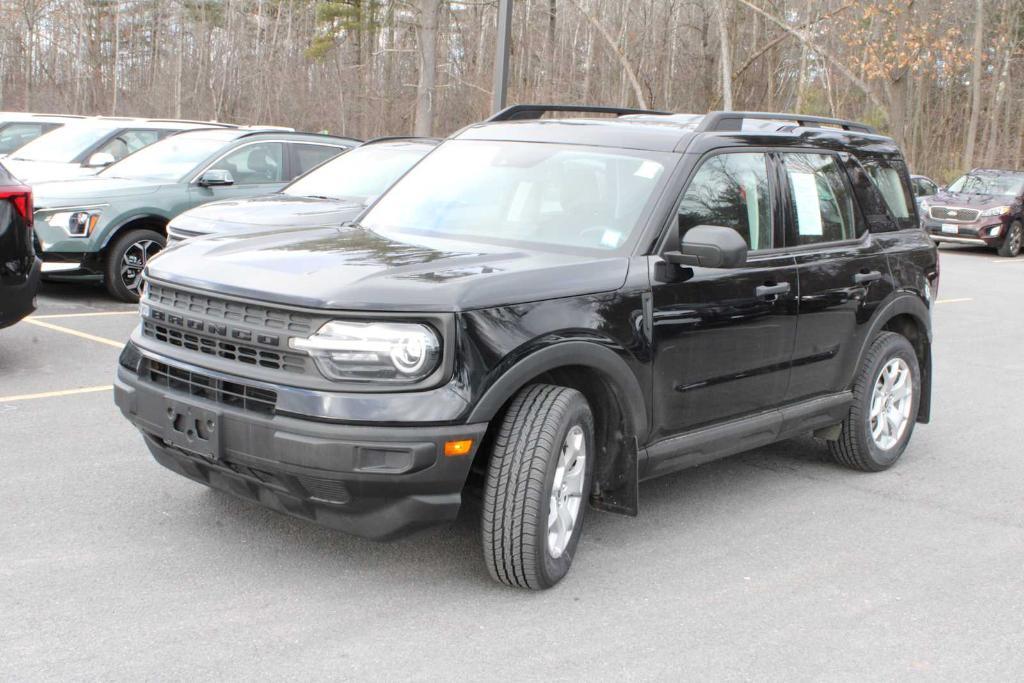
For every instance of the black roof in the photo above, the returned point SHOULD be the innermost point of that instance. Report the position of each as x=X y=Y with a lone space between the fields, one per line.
x=658 y=131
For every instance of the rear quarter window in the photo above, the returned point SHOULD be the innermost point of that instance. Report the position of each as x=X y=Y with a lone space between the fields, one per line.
x=890 y=178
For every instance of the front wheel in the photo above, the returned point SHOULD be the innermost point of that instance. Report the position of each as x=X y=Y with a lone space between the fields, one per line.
x=538 y=485
x=126 y=260
x=886 y=395
x=1014 y=238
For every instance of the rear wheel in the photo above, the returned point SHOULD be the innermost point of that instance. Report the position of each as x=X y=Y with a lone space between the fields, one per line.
x=886 y=395
x=538 y=484
x=126 y=259
x=1014 y=238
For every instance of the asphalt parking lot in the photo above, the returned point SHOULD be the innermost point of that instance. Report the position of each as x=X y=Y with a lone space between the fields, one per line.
x=771 y=565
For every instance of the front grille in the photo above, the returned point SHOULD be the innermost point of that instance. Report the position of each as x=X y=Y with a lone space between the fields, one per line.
x=950 y=214
x=222 y=348
x=214 y=308
x=327 y=490
x=200 y=385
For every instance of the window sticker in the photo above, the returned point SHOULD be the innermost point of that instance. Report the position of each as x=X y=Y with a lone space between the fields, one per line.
x=648 y=169
x=805 y=196
x=611 y=238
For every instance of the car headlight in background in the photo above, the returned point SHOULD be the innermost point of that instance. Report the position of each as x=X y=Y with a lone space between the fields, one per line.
x=373 y=351
x=996 y=211
x=76 y=222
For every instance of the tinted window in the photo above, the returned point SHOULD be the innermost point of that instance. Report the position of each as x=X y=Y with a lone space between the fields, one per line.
x=311 y=156
x=889 y=182
x=262 y=162
x=731 y=190
x=823 y=206
x=128 y=141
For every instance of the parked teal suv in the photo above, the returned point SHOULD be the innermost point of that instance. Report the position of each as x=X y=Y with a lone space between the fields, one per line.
x=106 y=228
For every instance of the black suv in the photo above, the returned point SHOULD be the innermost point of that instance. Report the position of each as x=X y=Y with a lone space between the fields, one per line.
x=983 y=208
x=20 y=269
x=552 y=310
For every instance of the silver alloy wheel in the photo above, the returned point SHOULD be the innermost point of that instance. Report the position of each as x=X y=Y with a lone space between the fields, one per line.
x=135 y=258
x=891 y=401
x=567 y=491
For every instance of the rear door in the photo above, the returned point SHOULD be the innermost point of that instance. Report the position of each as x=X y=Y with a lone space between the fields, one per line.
x=723 y=338
x=843 y=270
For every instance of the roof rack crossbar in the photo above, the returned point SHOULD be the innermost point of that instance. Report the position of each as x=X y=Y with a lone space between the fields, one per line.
x=519 y=112
x=733 y=121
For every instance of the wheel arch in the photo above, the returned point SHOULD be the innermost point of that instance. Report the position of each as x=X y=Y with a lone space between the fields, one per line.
x=615 y=397
x=144 y=221
x=908 y=316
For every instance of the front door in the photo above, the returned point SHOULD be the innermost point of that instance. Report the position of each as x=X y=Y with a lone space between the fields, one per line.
x=723 y=338
x=257 y=168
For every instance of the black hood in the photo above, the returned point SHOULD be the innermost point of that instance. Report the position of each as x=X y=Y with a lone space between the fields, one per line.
x=276 y=211
x=357 y=269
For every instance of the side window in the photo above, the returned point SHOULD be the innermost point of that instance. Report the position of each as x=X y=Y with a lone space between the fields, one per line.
x=308 y=156
x=823 y=206
x=888 y=179
x=262 y=162
x=129 y=141
x=731 y=190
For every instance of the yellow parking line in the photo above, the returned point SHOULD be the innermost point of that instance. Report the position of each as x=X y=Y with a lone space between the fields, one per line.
x=83 y=315
x=1006 y=260
x=56 y=394
x=953 y=301
x=68 y=330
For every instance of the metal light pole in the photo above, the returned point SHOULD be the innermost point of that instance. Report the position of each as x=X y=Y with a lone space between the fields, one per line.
x=499 y=94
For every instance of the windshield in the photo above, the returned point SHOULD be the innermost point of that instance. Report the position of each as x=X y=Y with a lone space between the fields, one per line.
x=1009 y=185
x=170 y=159
x=14 y=135
x=523 y=192
x=359 y=175
x=64 y=144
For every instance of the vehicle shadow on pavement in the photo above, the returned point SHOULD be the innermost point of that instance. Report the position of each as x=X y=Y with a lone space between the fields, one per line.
x=453 y=552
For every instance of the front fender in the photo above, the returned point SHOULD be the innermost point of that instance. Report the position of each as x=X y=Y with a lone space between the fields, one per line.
x=588 y=354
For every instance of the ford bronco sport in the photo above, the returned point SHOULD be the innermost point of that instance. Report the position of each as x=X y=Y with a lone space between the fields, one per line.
x=555 y=310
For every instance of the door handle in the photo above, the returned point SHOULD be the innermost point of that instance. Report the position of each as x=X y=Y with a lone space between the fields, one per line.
x=772 y=290
x=864 y=278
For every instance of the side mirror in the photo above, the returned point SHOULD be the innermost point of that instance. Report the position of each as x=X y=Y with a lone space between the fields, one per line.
x=215 y=176
x=710 y=246
x=100 y=159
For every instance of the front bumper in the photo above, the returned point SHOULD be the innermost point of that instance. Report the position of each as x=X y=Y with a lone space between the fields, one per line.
x=373 y=481
x=18 y=299
x=976 y=233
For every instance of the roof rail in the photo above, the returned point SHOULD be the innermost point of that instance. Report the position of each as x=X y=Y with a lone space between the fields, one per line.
x=733 y=121
x=392 y=138
x=518 y=112
x=212 y=124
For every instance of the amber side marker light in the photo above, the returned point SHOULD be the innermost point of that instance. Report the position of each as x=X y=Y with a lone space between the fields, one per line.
x=452 y=448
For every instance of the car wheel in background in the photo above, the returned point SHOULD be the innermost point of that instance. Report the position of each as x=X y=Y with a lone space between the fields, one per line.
x=886 y=395
x=126 y=260
x=538 y=486
x=1014 y=237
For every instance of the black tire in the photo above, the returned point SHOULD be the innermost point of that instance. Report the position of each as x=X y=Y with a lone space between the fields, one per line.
x=856 y=448
x=139 y=242
x=1012 y=243
x=520 y=479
